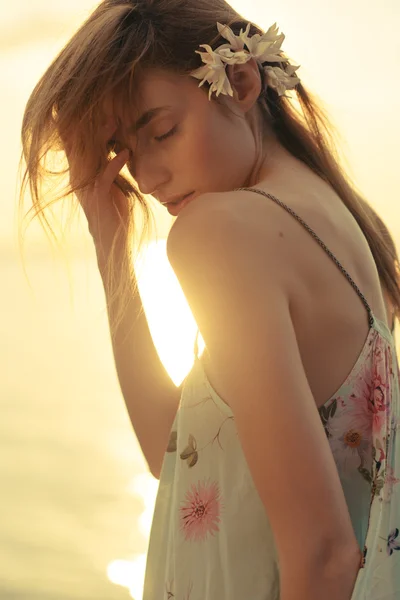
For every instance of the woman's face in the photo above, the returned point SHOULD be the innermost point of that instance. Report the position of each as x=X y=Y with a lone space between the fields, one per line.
x=190 y=143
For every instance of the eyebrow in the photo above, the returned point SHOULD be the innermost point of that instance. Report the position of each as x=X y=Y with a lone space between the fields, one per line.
x=147 y=117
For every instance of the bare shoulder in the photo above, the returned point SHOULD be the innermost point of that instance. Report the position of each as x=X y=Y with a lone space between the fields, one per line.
x=202 y=208
x=224 y=211
x=225 y=204
x=241 y=222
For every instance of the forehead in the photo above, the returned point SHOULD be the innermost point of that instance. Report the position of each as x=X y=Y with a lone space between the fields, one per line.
x=153 y=89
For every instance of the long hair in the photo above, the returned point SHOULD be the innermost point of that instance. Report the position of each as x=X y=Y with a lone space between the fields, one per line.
x=104 y=58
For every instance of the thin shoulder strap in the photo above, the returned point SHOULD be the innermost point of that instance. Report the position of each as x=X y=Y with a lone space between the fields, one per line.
x=321 y=243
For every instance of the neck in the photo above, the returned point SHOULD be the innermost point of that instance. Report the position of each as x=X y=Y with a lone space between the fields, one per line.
x=274 y=164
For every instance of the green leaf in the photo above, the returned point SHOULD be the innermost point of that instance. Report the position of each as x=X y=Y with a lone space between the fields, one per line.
x=188 y=451
x=324 y=413
x=172 y=444
x=365 y=474
x=333 y=408
x=192 y=460
x=192 y=441
x=379 y=486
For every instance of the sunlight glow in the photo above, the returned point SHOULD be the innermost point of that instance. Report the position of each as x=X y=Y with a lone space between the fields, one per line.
x=129 y=574
x=145 y=486
x=173 y=329
x=171 y=321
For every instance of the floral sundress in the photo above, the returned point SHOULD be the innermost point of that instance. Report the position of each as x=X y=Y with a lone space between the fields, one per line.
x=211 y=538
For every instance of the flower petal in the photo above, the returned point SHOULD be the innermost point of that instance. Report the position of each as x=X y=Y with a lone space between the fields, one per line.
x=227 y=33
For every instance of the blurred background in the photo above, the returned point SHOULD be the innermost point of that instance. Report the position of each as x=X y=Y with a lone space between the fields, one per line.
x=76 y=498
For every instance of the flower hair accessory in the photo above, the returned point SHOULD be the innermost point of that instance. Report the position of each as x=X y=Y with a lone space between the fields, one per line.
x=264 y=48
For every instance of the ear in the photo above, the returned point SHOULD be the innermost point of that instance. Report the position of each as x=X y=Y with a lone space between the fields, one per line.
x=246 y=83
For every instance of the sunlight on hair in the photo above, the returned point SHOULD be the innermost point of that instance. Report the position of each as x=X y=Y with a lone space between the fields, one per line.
x=171 y=322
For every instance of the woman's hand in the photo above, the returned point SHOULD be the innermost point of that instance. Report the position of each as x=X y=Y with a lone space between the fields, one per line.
x=103 y=203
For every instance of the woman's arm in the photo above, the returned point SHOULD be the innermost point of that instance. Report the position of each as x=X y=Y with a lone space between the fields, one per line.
x=151 y=397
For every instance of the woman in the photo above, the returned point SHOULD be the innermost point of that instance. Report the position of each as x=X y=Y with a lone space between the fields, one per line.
x=279 y=478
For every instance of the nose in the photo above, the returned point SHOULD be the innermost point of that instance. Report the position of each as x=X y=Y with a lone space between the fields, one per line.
x=149 y=173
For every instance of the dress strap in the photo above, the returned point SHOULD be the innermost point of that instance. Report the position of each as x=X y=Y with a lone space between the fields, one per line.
x=321 y=243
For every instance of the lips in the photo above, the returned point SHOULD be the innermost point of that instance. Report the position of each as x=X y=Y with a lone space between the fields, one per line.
x=175 y=207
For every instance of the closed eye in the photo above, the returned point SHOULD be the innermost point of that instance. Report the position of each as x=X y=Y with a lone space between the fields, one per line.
x=114 y=146
x=166 y=135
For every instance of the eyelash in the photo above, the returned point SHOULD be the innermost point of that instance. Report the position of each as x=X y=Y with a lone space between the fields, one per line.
x=114 y=146
x=161 y=138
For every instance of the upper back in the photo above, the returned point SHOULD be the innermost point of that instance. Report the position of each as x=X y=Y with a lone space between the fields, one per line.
x=330 y=320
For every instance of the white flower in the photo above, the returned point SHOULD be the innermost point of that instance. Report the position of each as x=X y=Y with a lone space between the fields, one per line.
x=232 y=58
x=214 y=70
x=235 y=41
x=264 y=48
x=281 y=80
x=351 y=437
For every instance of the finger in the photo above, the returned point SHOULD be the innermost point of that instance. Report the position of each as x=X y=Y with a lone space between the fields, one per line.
x=111 y=171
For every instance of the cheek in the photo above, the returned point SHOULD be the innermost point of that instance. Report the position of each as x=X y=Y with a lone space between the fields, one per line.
x=232 y=152
x=215 y=143
x=199 y=150
x=217 y=150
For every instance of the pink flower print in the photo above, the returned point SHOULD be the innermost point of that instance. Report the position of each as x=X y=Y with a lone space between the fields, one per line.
x=200 y=513
x=389 y=361
x=377 y=401
x=379 y=350
x=351 y=437
x=363 y=385
x=390 y=481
